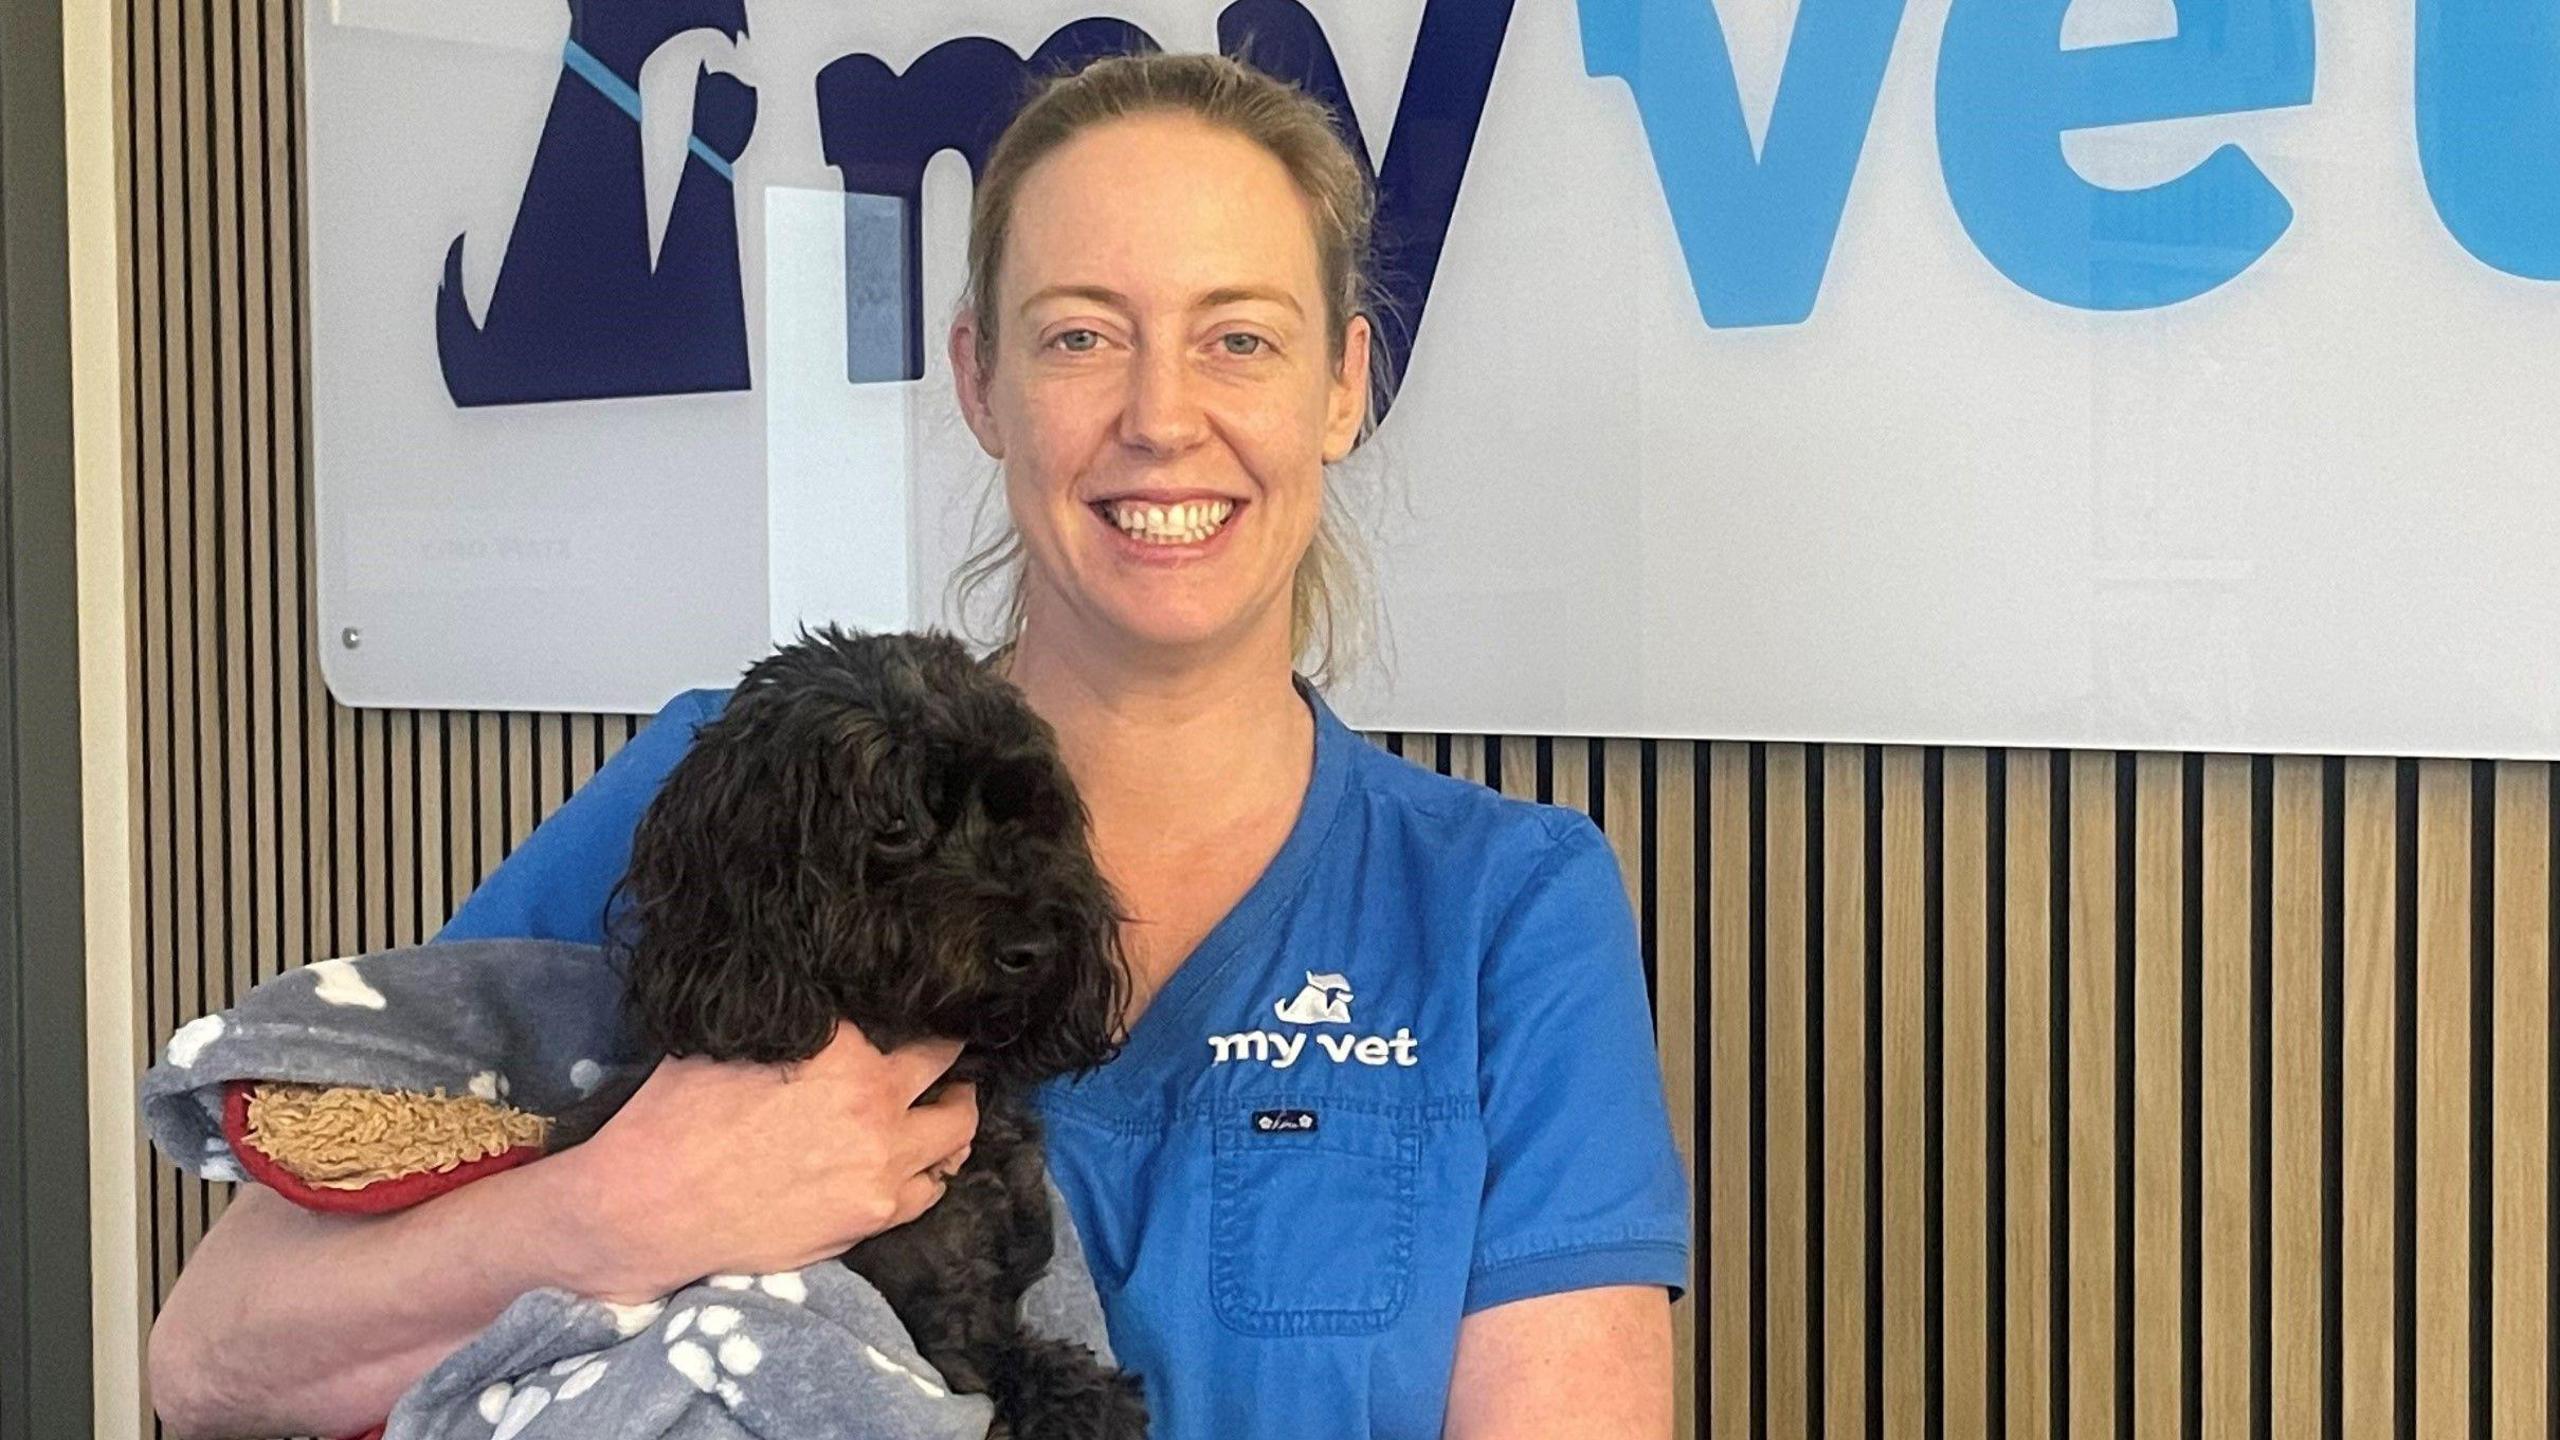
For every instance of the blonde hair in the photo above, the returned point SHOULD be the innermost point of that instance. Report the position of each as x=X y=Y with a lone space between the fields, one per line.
x=1331 y=620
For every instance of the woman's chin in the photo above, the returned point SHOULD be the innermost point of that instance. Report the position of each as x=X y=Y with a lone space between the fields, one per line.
x=1178 y=625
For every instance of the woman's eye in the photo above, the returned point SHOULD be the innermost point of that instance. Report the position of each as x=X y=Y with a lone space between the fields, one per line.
x=1242 y=343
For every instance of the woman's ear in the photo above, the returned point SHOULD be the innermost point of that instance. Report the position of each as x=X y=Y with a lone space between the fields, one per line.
x=970 y=383
x=1347 y=398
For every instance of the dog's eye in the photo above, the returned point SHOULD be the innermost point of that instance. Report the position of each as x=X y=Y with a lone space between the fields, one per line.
x=892 y=829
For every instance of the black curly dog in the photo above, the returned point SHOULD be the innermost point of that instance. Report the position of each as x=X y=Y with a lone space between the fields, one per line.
x=879 y=830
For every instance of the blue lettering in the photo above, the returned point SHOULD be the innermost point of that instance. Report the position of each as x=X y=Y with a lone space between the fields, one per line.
x=2489 y=128
x=879 y=128
x=2007 y=92
x=1445 y=85
x=1756 y=230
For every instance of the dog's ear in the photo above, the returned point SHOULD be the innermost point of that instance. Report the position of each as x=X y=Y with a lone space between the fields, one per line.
x=715 y=920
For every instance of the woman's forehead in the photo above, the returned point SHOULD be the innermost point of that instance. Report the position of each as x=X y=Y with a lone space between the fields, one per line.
x=1160 y=210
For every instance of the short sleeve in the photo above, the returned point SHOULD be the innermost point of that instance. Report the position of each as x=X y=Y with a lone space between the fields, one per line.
x=557 y=883
x=1583 y=1187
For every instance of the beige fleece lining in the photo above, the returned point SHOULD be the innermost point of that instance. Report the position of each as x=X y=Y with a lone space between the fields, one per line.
x=346 y=1139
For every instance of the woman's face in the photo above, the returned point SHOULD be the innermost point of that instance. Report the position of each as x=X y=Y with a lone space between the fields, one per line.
x=1160 y=387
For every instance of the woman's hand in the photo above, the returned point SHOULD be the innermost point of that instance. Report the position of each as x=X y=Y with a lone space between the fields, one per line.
x=725 y=1166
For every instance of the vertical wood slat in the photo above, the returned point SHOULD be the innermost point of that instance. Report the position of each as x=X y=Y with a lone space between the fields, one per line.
x=2158 y=1161
x=399 y=819
x=1726 y=1364
x=2229 y=1082
x=489 y=748
x=2519 y=1276
x=233 y=733
x=2444 y=1099
x=2368 y=1241
x=190 y=555
x=1676 y=1024
x=2089 y=1201
x=1466 y=757
x=1964 y=1093
x=1904 y=1005
x=263 y=771
x=1783 y=1027
x=153 y=283
x=1846 y=1161
x=1621 y=763
x=1519 y=755
x=2296 y=1161
x=278 y=364
x=2029 y=1369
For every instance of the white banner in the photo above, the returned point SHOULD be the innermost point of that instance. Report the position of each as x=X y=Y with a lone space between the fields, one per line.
x=2114 y=373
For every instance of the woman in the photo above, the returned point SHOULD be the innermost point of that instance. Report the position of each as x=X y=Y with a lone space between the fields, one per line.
x=1386 y=1151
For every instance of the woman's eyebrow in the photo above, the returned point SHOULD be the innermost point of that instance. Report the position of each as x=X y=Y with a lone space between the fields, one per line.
x=1206 y=300
x=1101 y=294
x=1236 y=294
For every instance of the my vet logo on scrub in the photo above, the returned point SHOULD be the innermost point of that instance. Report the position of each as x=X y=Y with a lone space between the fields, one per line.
x=1325 y=1000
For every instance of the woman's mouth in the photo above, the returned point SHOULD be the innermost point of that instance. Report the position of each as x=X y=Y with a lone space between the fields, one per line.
x=1186 y=522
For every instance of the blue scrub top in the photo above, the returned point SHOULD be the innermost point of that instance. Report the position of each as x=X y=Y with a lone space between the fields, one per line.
x=1409 y=1076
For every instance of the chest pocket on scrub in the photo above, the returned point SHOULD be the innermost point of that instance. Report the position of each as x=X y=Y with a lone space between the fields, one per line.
x=1313 y=1215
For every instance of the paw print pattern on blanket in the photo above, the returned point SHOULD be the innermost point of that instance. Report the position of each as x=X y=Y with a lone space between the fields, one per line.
x=511 y=1406
x=711 y=1370
x=337 y=982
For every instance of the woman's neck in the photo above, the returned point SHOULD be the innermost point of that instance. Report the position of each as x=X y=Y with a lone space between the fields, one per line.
x=1185 y=748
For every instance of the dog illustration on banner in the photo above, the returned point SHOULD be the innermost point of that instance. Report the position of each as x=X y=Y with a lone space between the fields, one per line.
x=582 y=311
x=1326 y=1000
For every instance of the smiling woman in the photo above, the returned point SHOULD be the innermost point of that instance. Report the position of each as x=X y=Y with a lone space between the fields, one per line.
x=1385 y=1152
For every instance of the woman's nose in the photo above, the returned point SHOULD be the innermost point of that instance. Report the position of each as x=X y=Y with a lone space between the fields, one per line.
x=1163 y=413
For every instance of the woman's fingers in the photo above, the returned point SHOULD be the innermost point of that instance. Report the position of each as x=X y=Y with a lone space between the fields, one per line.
x=918 y=1195
x=913 y=1068
x=938 y=1128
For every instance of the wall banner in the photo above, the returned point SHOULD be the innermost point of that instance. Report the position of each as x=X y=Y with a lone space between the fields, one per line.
x=2117 y=373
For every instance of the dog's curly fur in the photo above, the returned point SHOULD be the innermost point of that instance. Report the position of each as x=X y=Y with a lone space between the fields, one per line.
x=878 y=830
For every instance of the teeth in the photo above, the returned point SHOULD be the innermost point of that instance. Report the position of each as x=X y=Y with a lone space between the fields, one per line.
x=1184 y=523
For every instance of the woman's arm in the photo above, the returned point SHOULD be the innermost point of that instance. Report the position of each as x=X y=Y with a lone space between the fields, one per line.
x=1585 y=1363
x=287 y=1322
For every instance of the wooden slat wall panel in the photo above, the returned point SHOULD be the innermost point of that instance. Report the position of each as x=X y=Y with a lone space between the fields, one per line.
x=1847 y=1383
x=2028 y=1300
x=2301 y=1288
x=1962 y=1013
x=1675 y=870
x=1902 y=999
x=1781 y=995
x=2520 y=1331
x=2218 y=861
x=2023 y=1094
x=2095 y=1158
x=2159 y=1132
x=2444 y=1099
x=1725 y=1109
x=2368 y=1258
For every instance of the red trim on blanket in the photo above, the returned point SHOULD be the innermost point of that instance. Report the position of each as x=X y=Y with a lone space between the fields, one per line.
x=375 y=1199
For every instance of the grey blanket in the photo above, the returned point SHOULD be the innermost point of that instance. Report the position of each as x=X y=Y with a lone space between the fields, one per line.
x=794 y=1356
